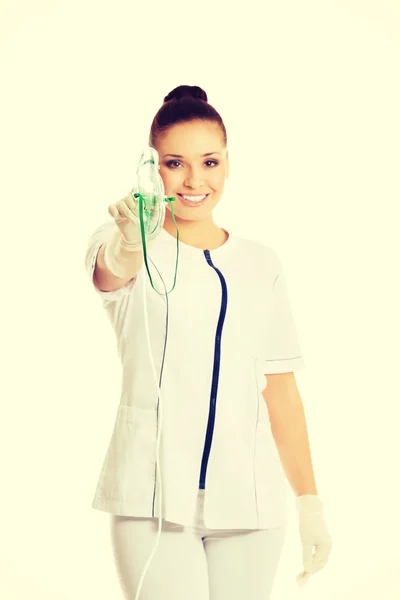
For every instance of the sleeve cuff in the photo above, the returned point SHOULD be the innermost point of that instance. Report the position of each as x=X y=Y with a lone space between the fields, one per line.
x=114 y=294
x=284 y=365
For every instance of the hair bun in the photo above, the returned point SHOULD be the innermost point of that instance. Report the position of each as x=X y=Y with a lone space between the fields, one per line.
x=186 y=91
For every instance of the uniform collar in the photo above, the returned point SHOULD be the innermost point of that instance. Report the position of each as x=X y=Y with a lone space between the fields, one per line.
x=224 y=248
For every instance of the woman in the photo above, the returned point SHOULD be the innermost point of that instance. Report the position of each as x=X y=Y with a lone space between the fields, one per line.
x=225 y=347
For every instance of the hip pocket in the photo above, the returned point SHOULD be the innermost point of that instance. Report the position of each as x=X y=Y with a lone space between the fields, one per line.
x=129 y=466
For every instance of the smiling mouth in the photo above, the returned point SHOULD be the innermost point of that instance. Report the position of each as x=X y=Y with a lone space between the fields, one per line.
x=192 y=200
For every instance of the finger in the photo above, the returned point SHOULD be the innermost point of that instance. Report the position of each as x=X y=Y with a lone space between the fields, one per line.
x=302 y=578
x=321 y=556
x=307 y=556
x=113 y=211
x=125 y=211
x=132 y=204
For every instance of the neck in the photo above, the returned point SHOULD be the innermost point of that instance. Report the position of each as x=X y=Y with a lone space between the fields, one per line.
x=203 y=234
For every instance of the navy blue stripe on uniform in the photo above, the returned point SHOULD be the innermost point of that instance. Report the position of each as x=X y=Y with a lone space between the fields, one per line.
x=215 y=376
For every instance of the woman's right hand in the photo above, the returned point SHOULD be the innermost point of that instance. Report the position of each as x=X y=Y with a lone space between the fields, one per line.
x=125 y=214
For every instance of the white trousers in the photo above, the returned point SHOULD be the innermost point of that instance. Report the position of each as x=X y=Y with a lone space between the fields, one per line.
x=195 y=562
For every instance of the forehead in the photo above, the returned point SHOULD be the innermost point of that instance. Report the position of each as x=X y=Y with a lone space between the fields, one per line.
x=193 y=137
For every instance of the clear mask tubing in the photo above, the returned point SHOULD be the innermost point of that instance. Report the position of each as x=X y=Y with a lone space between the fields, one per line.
x=150 y=197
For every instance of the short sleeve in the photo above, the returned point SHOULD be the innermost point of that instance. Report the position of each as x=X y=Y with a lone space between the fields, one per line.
x=96 y=240
x=283 y=353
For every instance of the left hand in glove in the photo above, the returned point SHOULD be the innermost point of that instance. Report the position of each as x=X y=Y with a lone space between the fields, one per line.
x=314 y=536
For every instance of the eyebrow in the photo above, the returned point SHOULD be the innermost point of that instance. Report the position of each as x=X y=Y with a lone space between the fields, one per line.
x=180 y=156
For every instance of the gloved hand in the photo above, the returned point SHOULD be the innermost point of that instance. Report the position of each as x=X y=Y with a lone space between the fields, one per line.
x=313 y=534
x=119 y=249
x=125 y=214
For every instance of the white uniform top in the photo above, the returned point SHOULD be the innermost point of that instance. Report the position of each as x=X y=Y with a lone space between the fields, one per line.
x=229 y=322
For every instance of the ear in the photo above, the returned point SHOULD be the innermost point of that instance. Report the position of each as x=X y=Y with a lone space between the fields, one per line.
x=227 y=165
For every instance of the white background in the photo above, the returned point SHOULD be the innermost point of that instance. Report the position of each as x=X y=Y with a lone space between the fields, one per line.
x=309 y=92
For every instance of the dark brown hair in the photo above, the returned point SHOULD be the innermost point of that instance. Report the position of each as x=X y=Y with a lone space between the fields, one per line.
x=184 y=103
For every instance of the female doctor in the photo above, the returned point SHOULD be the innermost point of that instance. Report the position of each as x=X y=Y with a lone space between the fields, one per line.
x=225 y=347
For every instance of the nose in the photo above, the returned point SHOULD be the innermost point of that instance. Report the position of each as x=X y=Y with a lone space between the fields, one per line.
x=193 y=179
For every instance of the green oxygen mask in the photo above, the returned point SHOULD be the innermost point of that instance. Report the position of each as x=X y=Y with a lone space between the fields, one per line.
x=150 y=197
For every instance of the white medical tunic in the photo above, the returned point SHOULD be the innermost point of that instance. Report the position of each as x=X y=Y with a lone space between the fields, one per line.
x=226 y=324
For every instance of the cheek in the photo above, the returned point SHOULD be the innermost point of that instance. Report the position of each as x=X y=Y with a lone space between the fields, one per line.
x=169 y=178
x=216 y=180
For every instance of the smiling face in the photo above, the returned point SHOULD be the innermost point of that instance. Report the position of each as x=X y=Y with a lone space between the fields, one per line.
x=193 y=162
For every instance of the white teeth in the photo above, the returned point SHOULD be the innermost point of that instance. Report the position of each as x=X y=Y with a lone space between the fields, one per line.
x=194 y=198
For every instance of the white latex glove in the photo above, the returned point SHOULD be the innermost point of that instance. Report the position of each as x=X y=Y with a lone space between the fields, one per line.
x=314 y=536
x=127 y=239
x=125 y=214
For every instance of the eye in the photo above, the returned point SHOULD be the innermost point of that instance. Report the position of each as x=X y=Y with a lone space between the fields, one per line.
x=170 y=163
